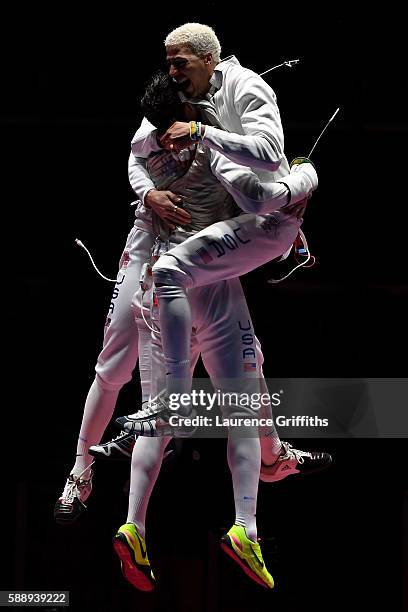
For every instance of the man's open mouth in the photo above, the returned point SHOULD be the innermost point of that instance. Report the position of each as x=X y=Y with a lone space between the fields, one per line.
x=183 y=85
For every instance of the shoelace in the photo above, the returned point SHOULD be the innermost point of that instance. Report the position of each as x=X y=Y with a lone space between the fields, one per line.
x=151 y=409
x=73 y=482
x=294 y=452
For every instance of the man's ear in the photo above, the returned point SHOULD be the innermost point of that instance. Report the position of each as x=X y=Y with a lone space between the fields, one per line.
x=208 y=58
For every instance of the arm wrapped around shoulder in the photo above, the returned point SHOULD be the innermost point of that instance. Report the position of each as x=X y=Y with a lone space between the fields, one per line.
x=302 y=180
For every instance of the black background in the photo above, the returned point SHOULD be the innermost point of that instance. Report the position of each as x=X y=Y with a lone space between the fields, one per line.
x=69 y=107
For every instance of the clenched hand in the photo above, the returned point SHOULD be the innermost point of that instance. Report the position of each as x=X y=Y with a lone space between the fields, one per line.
x=177 y=137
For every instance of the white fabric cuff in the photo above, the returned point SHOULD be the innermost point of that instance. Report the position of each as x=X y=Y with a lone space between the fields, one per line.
x=300 y=183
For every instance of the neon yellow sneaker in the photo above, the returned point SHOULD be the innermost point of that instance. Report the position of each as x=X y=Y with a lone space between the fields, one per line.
x=247 y=554
x=131 y=550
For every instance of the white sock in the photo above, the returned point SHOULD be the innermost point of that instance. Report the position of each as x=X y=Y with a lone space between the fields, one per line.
x=244 y=460
x=99 y=406
x=146 y=462
x=175 y=330
x=145 y=354
x=271 y=445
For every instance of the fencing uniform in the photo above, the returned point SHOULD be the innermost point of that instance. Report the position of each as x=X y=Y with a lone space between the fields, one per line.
x=241 y=102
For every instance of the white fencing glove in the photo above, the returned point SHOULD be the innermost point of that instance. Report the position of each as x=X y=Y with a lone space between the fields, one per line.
x=302 y=180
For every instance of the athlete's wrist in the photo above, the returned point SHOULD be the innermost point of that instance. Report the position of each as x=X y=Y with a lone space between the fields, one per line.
x=146 y=198
x=197 y=130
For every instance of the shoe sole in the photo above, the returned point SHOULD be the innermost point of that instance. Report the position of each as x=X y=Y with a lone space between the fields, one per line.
x=269 y=478
x=166 y=457
x=266 y=478
x=66 y=518
x=148 y=431
x=227 y=548
x=130 y=571
x=103 y=457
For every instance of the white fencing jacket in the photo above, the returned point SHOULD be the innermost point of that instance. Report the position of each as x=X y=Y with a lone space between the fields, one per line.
x=241 y=102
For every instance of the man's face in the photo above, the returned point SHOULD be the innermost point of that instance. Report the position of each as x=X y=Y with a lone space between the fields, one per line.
x=191 y=71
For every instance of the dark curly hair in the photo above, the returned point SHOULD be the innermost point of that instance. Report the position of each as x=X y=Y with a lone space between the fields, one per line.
x=160 y=103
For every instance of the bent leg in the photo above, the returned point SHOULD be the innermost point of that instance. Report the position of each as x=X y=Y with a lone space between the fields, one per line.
x=227 y=249
x=120 y=349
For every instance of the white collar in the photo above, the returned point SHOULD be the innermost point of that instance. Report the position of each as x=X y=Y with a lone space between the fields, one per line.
x=217 y=76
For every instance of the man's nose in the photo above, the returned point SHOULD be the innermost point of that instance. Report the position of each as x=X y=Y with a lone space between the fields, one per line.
x=172 y=70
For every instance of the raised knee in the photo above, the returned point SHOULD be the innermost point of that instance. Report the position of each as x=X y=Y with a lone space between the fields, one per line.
x=166 y=272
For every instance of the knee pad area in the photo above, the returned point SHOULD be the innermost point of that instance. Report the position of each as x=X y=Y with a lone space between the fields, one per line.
x=107 y=386
x=166 y=271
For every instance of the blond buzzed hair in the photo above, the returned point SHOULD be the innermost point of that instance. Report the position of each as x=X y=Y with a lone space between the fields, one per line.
x=200 y=38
